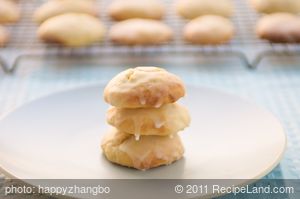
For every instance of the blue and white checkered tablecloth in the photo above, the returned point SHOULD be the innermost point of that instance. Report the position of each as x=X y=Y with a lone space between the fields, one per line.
x=275 y=86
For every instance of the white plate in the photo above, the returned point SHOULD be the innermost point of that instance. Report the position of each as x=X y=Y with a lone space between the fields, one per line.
x=58 y=137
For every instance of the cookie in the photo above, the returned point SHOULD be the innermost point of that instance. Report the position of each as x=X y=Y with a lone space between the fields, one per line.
x=209 y=30
x=72 y=30
x=57 y=7
x=4 y=36
x=149 y=152
x=191 y=9
x=279 y=28
x=140 y=32
x=143 y=87
x=9 y=12
x=272 y=6
x=163 y=121
x=127 y=9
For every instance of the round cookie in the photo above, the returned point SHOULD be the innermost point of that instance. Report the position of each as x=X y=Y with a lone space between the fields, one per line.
x=163 y=121
x=272 y=6
x=57 y=7
x=148 y=152
x=140 y=32
x=4 y=36
x=127 y=9
x=9 y=12
x=143 y=87
x=279 y=28
x=72 y=30
x=209 y=29
x=191 y=9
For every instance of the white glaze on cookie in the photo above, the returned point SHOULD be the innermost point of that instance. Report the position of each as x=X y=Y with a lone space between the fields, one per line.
x=143 y=87
x=166 y=120
x=148 y=152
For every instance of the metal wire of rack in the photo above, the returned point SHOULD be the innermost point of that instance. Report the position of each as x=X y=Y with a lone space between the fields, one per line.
x=249 y=49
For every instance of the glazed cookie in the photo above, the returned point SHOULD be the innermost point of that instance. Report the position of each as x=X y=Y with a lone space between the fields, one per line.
x=140 y=32
x=148 y=152
x=166 y=120
x=191 y=9
x=9 y=12
x=57 y=7
x=143 y=87
x=272 y=6
x=279 y=28
x=209 y=29
x=3 y=36
x=127 y=9
x=73 y=30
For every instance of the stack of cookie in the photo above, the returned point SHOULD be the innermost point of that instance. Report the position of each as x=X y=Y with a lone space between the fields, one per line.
x=145 y=118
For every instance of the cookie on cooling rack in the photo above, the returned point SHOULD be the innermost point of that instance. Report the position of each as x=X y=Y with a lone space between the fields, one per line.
x=72 y=30
x=191 y=9
x=4 y=36
x=57 y=7
x=148 y=152
x=9 y=12
x=209 y=30
x=140 y=32
x=163 y=121
x=272 y=6
x=143 y=87
x=122 y=10
x=279 y=28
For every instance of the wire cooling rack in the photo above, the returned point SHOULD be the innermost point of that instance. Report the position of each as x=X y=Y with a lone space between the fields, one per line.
x=249 y=49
